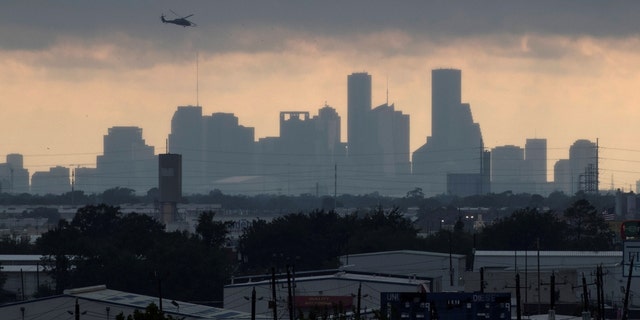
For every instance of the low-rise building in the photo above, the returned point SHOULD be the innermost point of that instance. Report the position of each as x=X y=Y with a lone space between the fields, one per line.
x=98 y=302
x=326 y=292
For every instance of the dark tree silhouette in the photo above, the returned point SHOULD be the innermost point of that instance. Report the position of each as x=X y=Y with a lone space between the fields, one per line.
x=586 y=228
x=133 y=253
x=525 y=229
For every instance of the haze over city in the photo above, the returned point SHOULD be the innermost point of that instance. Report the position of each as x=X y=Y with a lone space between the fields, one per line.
x=562 y=72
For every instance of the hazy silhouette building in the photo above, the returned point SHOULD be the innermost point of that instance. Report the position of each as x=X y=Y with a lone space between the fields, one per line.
x=580 y=171
x=455 y=144
x=269 y=164
x=186 y=139
x=535 y=167
x=296 y=151
x=378 y=142
x=362 y=150
x=127 y=161
x=213 y=148
x=562 y=176
x=297 y=138
x=330 y=151
x=14 y=178
x=303 y=158
x=229 y=148
x=55 y=181
x=328 y=135
x=359 y=133
x=583 y=158
x=535 y=155
x=507 y=168
x=86 y=179
x=391 y=132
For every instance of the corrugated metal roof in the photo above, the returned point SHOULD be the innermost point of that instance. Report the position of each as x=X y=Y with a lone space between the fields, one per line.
x=20 y=257
x=407 y=252
x=531 y=253
x=23 y=268
x=180 y=308
x=342 y=275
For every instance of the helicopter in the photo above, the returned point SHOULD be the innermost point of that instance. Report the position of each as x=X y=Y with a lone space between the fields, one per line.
x=181 y=21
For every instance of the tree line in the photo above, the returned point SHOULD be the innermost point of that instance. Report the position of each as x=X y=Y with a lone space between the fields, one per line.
x=133 y=252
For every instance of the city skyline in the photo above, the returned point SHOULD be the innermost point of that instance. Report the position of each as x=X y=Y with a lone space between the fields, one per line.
x=79 y=69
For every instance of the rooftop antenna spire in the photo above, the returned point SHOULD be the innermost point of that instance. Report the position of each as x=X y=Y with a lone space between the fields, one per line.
x=387 y=90
x=612 y=182
x=197 y=83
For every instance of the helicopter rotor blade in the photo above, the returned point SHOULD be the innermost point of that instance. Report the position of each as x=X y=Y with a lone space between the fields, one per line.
x=187 y=16
x=177 y=15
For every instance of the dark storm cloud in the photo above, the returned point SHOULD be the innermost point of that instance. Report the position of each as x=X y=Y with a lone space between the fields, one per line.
x=33 y=25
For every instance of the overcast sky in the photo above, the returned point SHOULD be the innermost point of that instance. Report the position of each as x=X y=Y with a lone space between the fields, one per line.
x=560 y=70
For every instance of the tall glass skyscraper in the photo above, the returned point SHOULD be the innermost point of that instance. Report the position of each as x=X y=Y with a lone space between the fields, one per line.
x=455 y=145
x=127 y=161
x=358 y=108
x=186 y=138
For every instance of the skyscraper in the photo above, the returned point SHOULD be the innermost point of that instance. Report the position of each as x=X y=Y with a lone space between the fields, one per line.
x=562 y=176
x=228 y=148
x=328 y=134
x=535 y=155
x=507 y=163
x=55 y=181
x=446 y=97
x=580 y=171
x=127 y=161
x=358 y=108
x=455 y=145
x=186 y=139
x=378 y=140
x=391 y=134
x=14 y=178
x=583 y=159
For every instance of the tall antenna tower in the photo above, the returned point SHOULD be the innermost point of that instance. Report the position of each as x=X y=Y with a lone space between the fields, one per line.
x=588 y=181
x=197 y=82
x=387 y=90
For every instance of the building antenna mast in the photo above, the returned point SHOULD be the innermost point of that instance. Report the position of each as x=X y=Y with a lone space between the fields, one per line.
x=387 y=90
x=197 y=82
x=597 y=189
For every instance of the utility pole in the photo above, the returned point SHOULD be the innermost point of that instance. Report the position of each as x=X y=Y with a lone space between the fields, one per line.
x=585 y=299
x=538 y=271
x=359 y=301
x=625 y=310
x=272 y=303
x=160 y=294
x=253 y=300
x=518 y=304
x=335 y=186
x=289 y=295
x=450 y=262
x=253 y=304
x=552 y=298
x=77 y=310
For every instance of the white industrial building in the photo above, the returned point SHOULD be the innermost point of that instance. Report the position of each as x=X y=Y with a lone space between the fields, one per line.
x=98 y=302
x=331 y=291
x=446 y=270
x=535 y=269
